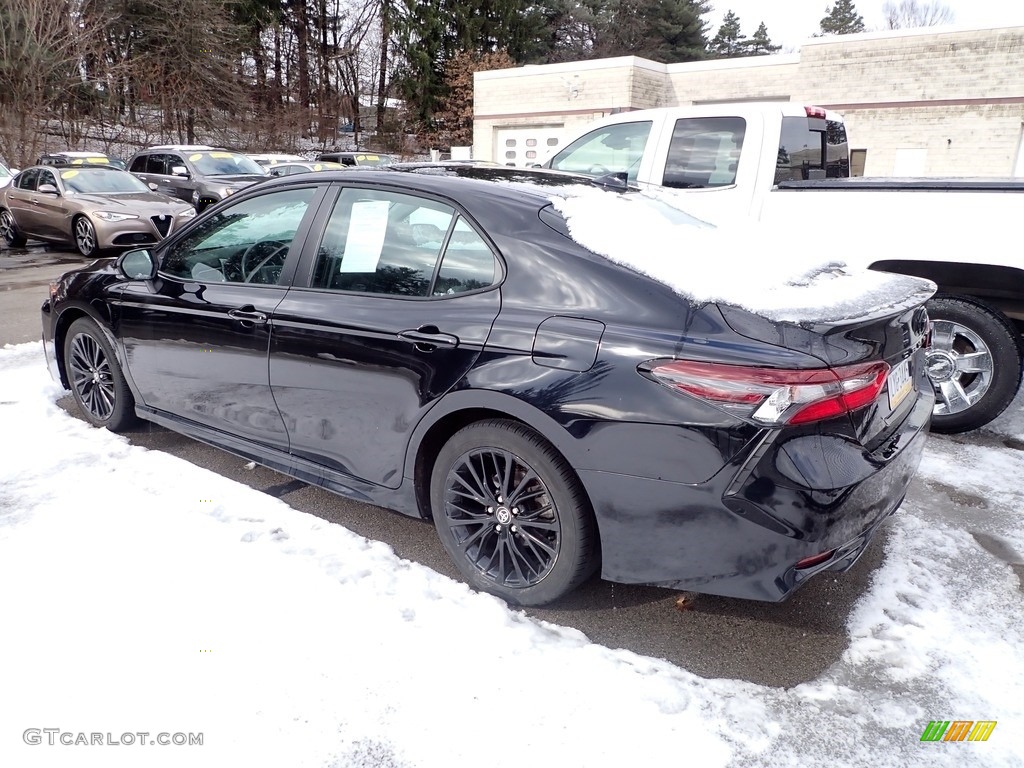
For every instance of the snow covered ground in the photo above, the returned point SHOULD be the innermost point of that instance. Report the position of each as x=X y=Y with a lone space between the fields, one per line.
x=141 y=594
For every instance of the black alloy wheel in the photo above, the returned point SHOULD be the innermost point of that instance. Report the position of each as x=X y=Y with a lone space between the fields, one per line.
x=512 y=514
x=96 y=380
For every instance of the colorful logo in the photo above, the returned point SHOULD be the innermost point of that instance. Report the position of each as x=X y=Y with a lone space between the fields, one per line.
x=958 y=730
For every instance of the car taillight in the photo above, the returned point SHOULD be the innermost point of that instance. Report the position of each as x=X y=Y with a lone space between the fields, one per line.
x=814 y=112
x=774 y=396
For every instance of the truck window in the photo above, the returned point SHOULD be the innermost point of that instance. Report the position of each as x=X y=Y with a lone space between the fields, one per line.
x=609 y=149
x=812 y=148
x=704 y=152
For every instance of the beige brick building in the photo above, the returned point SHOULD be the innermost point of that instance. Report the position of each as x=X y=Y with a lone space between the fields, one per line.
x=930 y=102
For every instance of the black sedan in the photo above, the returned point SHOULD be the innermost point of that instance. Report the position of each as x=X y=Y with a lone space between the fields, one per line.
x=438 y=344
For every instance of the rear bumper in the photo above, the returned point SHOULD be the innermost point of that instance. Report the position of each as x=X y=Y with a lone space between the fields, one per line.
x=742 y=533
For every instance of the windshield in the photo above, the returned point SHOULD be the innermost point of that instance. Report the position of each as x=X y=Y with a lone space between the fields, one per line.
x=225 y=164
x=101 y=180
x=363 y=159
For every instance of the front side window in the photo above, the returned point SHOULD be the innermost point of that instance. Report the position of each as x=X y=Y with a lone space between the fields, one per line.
x=46 y=177
x=704 y=152
x=246 y=243
x=609 y=149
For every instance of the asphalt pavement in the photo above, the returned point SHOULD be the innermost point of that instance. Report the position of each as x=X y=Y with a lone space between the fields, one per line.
x=774 y=644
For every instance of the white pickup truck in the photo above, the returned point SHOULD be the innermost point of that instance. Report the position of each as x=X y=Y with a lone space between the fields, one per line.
x=787 y=166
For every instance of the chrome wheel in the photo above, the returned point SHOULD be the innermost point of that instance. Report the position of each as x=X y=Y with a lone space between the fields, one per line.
x=91 y=377
x=85 y=236
x=959 y=365
x=502 y=517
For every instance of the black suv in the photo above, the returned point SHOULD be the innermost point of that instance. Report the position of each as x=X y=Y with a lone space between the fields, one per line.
x=201 y=175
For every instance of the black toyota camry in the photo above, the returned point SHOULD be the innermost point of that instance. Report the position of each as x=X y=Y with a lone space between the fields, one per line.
x=438 y=343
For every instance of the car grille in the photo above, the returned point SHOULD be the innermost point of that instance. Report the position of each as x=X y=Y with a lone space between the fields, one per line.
x=162 y=224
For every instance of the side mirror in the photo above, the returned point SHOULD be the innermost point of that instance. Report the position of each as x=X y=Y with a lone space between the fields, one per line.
x=139 y=264
x=180 y=170
x=48 y=189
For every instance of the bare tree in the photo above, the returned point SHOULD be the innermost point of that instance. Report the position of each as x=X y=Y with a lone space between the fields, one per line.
x=43 y=46
x=911 y=14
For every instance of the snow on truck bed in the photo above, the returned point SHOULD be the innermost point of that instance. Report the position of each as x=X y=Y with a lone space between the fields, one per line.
x=772 y=272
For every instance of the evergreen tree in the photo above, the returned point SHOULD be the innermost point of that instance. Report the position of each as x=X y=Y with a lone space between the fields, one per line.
x=760 y=44
x=728 y=41
x=662 y=30
x=842 y=19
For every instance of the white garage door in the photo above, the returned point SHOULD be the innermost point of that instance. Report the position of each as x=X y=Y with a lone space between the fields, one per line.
x=525 y=145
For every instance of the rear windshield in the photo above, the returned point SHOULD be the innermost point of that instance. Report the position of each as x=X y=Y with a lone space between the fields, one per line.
x=812 y=148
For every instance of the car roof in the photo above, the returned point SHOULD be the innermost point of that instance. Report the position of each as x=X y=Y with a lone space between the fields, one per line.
x=517 y=183
x=185 y=147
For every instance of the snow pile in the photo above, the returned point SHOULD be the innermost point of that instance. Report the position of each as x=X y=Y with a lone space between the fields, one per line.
x=144 y=594
x=768 y=272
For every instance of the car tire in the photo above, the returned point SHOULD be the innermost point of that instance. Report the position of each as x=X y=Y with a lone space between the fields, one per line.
x=512 y=514
x=95 y=377
x=84 y=235
x=9 y=230
x=974 y=363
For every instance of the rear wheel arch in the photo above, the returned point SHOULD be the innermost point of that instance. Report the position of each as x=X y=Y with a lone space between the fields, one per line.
x=463 y=408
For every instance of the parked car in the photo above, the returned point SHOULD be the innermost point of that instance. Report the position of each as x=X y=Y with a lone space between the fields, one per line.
x=441 y=345
x=92 y=207
x=197 y=174
x=274 y=159
x=290 y=169
x=81 y=158
x=6 y=174
x=372 y=159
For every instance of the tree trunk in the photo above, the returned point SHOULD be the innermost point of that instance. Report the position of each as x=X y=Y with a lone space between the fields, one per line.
x=385 y=33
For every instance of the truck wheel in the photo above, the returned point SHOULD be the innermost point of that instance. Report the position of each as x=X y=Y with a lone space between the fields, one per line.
x=974 y=364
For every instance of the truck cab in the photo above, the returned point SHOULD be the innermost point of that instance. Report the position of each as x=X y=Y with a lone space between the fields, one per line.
x=721 y=154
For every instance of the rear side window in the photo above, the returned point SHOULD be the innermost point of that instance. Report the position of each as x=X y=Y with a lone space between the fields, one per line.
x=389 y=243
x=705 y=152
x=812 y=148
x=609 y=149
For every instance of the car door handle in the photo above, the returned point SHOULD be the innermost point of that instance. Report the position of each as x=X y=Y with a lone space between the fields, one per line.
x=248 y=315
x=428 y=337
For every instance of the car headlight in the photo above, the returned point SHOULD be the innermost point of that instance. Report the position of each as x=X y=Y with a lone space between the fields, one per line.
x=111 y=216
x=188 y=213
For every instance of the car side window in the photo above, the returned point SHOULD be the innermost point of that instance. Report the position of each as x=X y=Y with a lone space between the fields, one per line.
x=157 y=164
x=467 y=264
x=609 y=149
x=139 y=164
x=174 y=161
x=704 y=152
x=46 y=177
x=27 y=180
x=245 y=243
x=382 y=242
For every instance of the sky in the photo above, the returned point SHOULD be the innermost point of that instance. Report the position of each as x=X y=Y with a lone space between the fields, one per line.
x=791 y=21
x=145 y=598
